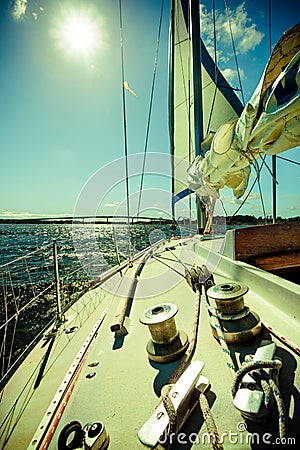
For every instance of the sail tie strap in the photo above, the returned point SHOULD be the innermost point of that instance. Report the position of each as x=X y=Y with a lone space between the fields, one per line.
x=271 y=391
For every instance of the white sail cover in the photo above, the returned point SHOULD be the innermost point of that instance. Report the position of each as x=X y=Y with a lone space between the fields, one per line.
x=269 y=124
x=219 y=102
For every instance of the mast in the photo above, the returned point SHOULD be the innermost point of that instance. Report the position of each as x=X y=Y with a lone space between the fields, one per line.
x=190 y=107
x=171 y=94
x=274 y=187
x=197 y=82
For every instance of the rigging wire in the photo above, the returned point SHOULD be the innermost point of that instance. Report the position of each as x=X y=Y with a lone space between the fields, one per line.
x=258 y=171
x=189 y=104
x=125 y=126
x=274 y=197
x=223 y=206
x=167 y=265
x=186 y=81
x=261 y=195
x=269 y=170
x=216 y=73
x=234 y=50
x=288 y=160
x=250 y=190
x=150 y=108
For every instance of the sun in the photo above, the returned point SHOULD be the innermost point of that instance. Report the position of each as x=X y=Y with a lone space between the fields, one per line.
x=78 y=33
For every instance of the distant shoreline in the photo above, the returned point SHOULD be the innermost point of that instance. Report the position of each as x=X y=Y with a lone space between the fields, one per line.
x=122 y=220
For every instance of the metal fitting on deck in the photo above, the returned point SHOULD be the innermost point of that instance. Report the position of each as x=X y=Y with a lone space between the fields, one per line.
x=239 y=324
x=93 y=436
x=167 y=343
x=96 y=436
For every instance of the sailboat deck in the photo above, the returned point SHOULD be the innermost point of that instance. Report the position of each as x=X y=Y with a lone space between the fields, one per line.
x=117 y=383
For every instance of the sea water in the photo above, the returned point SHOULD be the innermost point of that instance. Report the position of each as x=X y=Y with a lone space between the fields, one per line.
x=17 y=240
x=27 y=278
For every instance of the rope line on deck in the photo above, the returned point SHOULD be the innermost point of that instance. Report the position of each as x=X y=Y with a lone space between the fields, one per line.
x=271 y=391
x=210 y=423
x=168 y=404
x=283 y=339
x=203 y=402
x=214 y=313
x=192 y=345
x=256 y=368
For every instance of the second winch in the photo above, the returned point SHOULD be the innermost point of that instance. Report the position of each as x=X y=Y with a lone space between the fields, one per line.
x=239 y=324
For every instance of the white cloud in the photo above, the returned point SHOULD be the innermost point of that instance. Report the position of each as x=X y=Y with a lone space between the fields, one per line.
x=6 y=214
x=18 y=9
x=229 y=74
x=111 y=205
x=293 y=208
x=254 y=196
x=245 y=34
x=235 y=201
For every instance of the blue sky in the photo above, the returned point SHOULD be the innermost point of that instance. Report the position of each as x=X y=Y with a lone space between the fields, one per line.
x=61 y=109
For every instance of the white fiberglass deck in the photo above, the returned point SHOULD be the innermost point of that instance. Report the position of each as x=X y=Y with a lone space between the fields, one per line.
x=119 y=385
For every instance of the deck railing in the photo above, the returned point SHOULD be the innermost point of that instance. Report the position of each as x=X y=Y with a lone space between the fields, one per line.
x=35 y=291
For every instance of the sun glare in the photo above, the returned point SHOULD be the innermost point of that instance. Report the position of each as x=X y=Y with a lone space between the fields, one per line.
x=78 y=33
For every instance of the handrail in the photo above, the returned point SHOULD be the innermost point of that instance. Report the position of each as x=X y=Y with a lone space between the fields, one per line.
x=30 y=293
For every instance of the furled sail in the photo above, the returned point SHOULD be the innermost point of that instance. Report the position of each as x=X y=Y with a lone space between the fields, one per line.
x=218 y=101
x=269 y=124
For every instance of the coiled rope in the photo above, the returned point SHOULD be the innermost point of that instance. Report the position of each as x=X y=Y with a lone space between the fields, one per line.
x=264 y=379
x=268 y=385
x=206 y=412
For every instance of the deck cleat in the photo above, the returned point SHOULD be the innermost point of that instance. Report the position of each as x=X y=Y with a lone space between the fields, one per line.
x=166 y=343
x=249 y=398
x=155 y=429
x=239 y=323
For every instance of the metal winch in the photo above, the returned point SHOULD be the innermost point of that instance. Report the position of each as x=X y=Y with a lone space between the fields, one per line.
x=166 y=343
x=239 y=324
